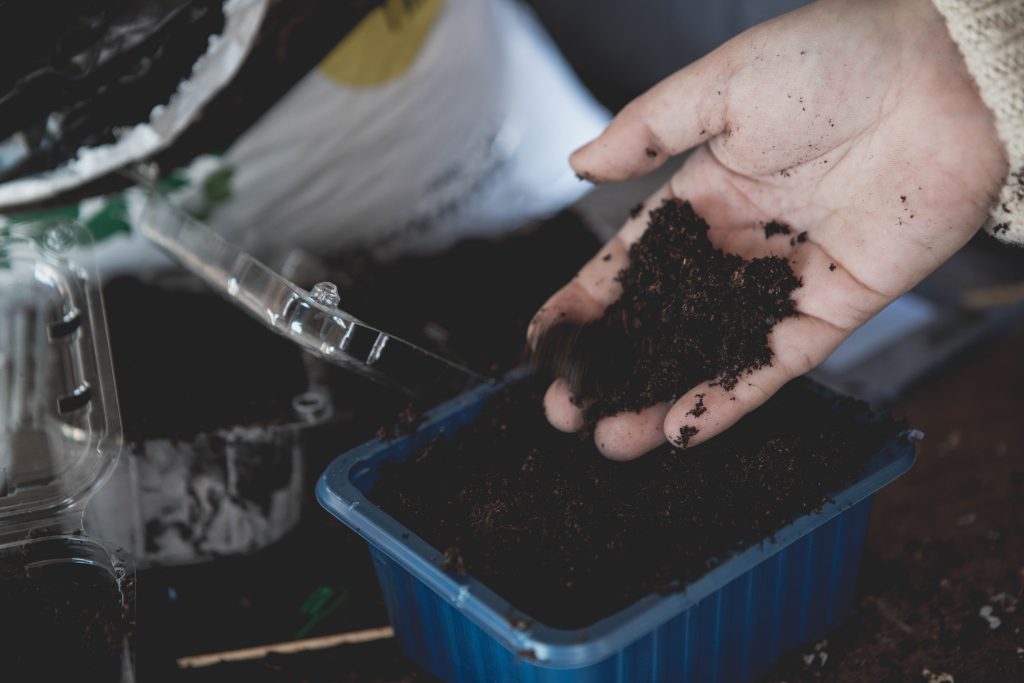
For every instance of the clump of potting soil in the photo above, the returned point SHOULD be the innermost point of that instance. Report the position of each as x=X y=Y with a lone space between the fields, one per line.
x=569 y=537
x=688 y=313
x=773 y=228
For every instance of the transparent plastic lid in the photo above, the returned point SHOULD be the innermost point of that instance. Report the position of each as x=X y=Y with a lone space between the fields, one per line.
x=311 y=319
x=60 y=431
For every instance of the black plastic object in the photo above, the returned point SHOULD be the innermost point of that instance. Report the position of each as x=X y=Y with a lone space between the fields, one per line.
x=73 y=71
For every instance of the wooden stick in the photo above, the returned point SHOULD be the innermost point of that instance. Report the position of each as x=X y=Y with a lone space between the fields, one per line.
x=981 y=298
x=290 y=647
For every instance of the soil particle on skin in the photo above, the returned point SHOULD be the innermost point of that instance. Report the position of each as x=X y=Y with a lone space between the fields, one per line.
x=686 y=432
x=635 y=211
x=606 y=258
x=831 y=267
x=688 y=313
x=651 y=153
x=773 y=228
x=568 y=536
x=698 y=408
x=799 y=239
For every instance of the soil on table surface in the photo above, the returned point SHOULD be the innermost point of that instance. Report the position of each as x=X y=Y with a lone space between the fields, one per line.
x=688 y=313
x=941 y=595
x=569 y=537
x=60 y=622
x=190 y=362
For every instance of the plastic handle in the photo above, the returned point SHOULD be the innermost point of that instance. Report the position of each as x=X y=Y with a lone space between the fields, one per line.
x=310 y=319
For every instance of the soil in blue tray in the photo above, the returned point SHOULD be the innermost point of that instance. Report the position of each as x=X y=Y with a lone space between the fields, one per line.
x=570 y=537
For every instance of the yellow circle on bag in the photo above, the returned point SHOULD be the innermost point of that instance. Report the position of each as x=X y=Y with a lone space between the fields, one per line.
x=384 y=44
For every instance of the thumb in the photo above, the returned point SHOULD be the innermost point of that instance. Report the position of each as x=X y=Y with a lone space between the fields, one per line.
x=680 y=112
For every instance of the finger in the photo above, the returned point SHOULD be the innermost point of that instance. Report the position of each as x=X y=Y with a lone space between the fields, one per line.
x=561 y=412
x=829 y=291
x=680 y=112
x=627 y=436
x=798 y=344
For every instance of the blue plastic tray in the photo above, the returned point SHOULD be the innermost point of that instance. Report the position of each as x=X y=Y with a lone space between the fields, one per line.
x=730 y=625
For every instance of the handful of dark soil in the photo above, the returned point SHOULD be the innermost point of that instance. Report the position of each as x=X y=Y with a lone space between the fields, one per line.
x=688 y=313
x=570 y=537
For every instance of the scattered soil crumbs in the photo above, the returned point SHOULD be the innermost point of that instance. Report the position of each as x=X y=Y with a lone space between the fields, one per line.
x=942 y=581
x=569 y=537
x=698 y=408
x=688 y=313
x=190 y=362
x=59 y=621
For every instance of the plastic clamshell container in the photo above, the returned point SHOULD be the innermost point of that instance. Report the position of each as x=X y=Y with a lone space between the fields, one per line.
x=732 y=624
x=229 y=491
x=60 y=437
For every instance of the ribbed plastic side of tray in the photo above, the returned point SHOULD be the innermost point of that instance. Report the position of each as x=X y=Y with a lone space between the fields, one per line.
x=730 y=625
x=734 y=634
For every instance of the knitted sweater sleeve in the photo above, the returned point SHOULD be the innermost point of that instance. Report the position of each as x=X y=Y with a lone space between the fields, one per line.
x=990 y=35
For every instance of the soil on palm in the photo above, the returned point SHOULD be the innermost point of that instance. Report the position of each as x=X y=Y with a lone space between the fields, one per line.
x=688 y=313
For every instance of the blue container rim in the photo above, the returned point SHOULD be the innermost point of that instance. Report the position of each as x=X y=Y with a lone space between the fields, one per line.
x=544 y=645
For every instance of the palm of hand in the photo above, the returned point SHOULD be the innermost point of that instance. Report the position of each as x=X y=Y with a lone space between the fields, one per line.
x=855 y=122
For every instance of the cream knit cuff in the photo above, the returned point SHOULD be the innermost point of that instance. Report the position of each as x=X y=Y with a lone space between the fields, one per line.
x=990 y=35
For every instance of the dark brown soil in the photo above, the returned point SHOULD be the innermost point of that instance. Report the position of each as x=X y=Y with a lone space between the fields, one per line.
x=63 y=622
x=688 y=313
x=946 y=543
x=191 y=362
x=773 y=228
x=569 y=537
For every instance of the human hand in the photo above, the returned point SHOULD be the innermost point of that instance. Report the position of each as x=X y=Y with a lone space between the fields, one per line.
x=855 y=121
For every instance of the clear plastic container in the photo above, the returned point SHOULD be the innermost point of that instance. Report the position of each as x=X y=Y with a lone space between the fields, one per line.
x=730 y=625
x=67 y=600
x=228 y=492
x=237 y=489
